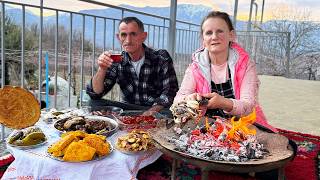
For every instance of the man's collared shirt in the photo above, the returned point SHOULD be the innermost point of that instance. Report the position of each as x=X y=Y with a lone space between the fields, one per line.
x=156 y=85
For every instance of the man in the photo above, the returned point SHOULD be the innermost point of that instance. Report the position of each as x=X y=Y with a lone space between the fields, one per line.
x=146 y=77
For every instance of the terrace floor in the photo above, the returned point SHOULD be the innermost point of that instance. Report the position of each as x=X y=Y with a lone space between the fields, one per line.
x=291 y=104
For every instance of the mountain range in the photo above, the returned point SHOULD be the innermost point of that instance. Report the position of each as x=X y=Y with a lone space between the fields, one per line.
x=185 y=12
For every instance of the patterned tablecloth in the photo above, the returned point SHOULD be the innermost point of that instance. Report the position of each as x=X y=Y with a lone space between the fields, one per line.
x=35 y=164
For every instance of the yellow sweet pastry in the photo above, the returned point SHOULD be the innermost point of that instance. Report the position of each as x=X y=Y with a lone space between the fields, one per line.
x=79 y=151
x=18 y=107
x=76 y=146
x=61 y=144
x=102 y=147
x=79 y=134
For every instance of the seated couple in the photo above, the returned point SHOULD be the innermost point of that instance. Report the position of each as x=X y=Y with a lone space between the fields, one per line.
x=220 y=71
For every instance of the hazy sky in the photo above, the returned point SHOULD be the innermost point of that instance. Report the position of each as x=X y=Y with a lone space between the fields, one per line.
x=271 y=6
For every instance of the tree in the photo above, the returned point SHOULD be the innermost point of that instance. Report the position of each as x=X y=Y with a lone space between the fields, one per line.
x=63 y=40
x=304 y=39
x=49 y=36
x=12 y=42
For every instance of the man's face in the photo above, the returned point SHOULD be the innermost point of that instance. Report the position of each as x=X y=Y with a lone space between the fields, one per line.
x=131 y=37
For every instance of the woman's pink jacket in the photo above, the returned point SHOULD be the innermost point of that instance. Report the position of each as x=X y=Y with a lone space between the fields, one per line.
x=245 y=82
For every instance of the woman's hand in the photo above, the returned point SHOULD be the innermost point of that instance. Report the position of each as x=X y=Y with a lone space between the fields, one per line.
x=193 y=97
x=217 y=101
x=104 y=61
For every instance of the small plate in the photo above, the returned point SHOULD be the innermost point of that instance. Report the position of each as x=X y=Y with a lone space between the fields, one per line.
x=27 y=147
x=96 y=157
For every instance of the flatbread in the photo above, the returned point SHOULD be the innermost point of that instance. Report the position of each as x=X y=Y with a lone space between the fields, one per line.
x=18 y=107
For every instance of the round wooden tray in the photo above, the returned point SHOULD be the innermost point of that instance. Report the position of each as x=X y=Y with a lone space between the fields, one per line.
x=280 y=150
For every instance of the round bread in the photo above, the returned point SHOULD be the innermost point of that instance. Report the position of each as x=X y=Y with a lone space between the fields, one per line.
x=18 y=107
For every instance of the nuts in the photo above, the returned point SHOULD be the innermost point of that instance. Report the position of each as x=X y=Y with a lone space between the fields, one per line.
x=134 y=141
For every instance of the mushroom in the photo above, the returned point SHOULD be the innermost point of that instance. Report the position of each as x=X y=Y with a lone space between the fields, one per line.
x=73 y=121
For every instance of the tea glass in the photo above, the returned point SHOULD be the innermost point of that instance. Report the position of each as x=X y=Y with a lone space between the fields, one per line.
x=116 y=56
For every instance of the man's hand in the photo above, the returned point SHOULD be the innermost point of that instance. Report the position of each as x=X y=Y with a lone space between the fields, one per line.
x=104 y=61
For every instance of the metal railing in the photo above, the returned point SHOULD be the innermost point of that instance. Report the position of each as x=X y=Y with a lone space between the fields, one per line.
x=269 y=49
x=67 y=61
x=73 y=40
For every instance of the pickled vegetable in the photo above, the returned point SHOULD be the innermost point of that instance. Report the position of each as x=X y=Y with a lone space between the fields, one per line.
x=15 y=137
x=31 y=139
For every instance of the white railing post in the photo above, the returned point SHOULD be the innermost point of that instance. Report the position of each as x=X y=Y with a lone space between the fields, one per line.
x=172 y=28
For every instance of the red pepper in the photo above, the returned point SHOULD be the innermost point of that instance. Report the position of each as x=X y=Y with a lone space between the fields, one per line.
x=137 y=119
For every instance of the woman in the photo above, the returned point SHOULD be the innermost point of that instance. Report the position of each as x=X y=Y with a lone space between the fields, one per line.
x=222 y=72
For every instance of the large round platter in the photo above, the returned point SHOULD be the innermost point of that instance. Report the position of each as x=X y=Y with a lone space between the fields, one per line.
x=18 y=107
x=280 y=153
x=27 y=147
x=112 y=122
x=96 y=158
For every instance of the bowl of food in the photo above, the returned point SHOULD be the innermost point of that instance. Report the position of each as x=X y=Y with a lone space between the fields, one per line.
x=129 y=120
x=89 y=124
x=107 y=111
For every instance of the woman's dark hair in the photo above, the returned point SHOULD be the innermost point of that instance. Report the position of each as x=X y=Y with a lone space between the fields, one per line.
x=217 y=14
x=128 y=20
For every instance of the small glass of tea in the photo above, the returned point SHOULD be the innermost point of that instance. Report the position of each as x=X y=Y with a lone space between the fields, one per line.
x=116 y=56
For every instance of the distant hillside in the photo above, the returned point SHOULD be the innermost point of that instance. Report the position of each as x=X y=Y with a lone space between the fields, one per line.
x=185 y=12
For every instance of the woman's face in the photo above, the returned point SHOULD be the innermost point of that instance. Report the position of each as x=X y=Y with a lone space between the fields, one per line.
x=216 y=35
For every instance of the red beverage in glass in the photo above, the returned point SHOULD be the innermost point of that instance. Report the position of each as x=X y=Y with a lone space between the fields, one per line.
x=116 y=57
